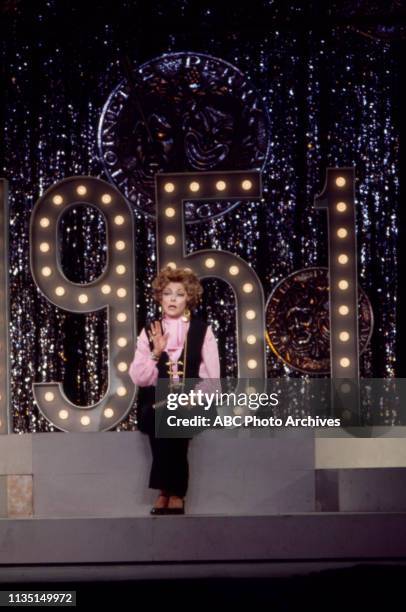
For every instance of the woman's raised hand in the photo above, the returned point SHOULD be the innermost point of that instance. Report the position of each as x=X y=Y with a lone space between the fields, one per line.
x=159 y=340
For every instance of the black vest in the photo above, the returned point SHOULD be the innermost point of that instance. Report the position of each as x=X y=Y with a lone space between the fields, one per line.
x=146 y=395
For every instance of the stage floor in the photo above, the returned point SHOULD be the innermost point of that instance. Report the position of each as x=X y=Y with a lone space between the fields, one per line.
x=196 y=546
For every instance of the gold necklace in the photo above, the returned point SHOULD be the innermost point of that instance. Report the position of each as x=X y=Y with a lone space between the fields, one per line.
x=172 y=383
x=175 y=384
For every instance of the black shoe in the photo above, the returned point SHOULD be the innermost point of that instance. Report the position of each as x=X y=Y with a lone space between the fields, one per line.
x=161 y=509
x=156 y=511
x=176 y=510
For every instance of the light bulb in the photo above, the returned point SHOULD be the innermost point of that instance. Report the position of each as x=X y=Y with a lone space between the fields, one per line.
x=57 y=200
x=210 y=262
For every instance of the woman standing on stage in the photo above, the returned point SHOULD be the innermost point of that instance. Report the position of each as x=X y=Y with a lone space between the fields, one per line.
x=179 y=346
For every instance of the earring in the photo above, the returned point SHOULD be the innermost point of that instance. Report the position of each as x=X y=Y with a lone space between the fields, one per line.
x=186 y=314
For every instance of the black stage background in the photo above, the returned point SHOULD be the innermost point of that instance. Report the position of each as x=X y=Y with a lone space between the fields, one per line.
x=328 y=80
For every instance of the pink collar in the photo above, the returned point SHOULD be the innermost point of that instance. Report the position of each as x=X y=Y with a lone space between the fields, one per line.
x=177 y=331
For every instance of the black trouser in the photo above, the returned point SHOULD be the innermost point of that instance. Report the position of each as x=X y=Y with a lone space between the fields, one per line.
x=170 y=468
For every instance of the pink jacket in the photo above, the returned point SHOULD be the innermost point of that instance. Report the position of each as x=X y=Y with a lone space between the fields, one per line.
x=143 y=369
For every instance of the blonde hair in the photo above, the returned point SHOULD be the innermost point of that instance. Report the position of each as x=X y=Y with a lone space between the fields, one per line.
x=185 y=276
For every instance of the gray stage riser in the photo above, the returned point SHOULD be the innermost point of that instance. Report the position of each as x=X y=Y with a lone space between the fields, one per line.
x=79 y=475
x=106 y=474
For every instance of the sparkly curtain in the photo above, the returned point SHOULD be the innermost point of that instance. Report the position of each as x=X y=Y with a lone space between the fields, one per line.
x=330 y=98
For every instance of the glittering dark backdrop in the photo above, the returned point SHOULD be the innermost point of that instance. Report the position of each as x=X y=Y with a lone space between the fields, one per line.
x=328 y=78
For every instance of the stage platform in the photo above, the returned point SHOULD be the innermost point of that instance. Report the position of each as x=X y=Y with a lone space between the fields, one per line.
x=76 y=507
x=196 y=546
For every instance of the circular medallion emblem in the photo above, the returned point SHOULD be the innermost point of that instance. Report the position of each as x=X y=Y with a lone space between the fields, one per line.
x=298 y=323
x=181 y=112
